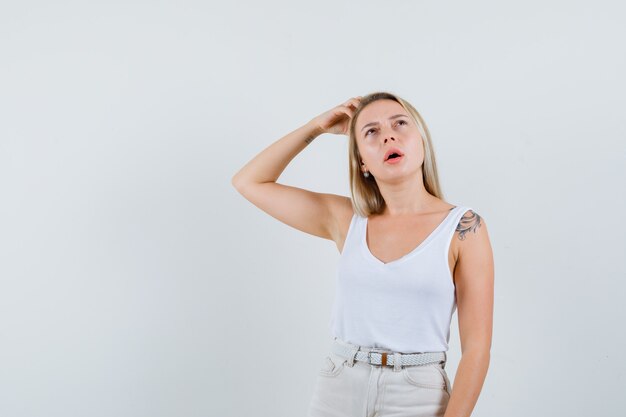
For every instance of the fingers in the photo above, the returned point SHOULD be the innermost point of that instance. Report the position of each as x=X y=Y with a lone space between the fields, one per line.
x=353 y=102
x=345 y=110
x=350 y=106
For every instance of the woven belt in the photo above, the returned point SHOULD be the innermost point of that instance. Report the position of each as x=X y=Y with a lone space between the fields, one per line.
x=387 y=358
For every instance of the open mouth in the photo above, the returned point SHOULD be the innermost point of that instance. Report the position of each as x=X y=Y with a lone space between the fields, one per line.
x=393 y=154
x=394 y=158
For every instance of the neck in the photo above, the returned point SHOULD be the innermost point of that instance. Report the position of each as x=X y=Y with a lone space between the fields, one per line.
x=407 y=198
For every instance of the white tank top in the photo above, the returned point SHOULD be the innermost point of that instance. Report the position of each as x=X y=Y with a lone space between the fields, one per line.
x=404 y=305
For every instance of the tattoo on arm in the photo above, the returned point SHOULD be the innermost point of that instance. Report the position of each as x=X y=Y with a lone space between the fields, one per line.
x=469 y=222
x=309 y=140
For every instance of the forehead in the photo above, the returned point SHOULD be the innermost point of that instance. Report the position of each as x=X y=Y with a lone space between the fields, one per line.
x=379 y=111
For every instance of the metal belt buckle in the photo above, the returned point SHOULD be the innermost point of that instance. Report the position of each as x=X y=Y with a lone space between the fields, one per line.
x=383 y=358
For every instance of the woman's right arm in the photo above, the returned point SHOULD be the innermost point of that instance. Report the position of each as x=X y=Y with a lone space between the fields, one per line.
x=308 y=211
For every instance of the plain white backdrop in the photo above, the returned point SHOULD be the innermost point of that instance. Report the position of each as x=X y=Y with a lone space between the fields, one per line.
x=136 y=281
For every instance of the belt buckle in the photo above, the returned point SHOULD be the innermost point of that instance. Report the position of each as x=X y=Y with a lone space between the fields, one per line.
x=383 y=358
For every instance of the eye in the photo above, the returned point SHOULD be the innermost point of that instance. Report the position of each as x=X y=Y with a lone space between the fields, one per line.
x=367 y=133
x=402 y=121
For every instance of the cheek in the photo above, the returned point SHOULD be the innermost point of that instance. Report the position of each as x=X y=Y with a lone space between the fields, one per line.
x=368 y=154
x=419 y=145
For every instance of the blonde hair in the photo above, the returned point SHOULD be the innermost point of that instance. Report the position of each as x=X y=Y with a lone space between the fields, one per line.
x=366 y=196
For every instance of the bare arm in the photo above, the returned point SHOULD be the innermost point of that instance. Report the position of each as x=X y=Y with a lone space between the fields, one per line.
x=310 y=212
x=474 y=281
x=272 y=161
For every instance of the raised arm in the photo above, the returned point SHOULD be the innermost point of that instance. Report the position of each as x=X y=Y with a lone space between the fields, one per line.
x=308 y=211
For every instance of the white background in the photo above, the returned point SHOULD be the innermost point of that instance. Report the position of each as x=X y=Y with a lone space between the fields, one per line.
x=136 y=281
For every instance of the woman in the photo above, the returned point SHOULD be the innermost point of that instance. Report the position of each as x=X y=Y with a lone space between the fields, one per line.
x=408 y=260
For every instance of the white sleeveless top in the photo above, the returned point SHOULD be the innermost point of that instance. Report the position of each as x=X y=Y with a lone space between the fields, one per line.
x=404 y=305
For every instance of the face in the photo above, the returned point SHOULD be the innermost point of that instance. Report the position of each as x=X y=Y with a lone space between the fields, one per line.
x=382 y=125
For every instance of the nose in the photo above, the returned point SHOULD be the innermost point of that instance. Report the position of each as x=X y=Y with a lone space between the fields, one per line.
x=387 y=133
x=388 y=137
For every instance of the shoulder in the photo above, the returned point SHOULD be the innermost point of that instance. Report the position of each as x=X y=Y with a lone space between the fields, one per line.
x=470 y=222
x=471 y=235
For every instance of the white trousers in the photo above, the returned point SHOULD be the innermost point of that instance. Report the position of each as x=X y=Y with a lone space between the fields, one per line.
x=365 y=390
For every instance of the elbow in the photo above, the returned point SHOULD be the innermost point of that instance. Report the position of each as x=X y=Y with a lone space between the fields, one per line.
x=233 y=181
x=237 y=182
x=478 y=355
x=241 y=183
x=243 y=186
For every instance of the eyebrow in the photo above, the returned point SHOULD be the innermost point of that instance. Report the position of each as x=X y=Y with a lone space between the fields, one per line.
x=392 y=117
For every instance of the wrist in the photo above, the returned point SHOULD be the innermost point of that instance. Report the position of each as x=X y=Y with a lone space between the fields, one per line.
x=313 y=130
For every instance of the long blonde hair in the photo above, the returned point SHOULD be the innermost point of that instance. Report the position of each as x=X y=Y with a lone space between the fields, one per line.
x=366 y=196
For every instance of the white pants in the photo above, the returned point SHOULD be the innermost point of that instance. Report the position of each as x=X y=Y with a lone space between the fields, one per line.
x=365 y=390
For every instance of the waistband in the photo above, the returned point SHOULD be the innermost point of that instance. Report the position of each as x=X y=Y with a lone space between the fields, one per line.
x=383 y=357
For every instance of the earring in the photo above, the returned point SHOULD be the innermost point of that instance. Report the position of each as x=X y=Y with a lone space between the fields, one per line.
x=366 y=174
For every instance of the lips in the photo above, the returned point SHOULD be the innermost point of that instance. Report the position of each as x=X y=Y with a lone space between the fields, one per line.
x=391 y=151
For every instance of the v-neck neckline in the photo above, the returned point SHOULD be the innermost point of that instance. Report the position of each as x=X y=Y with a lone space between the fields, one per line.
x=403 y=258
